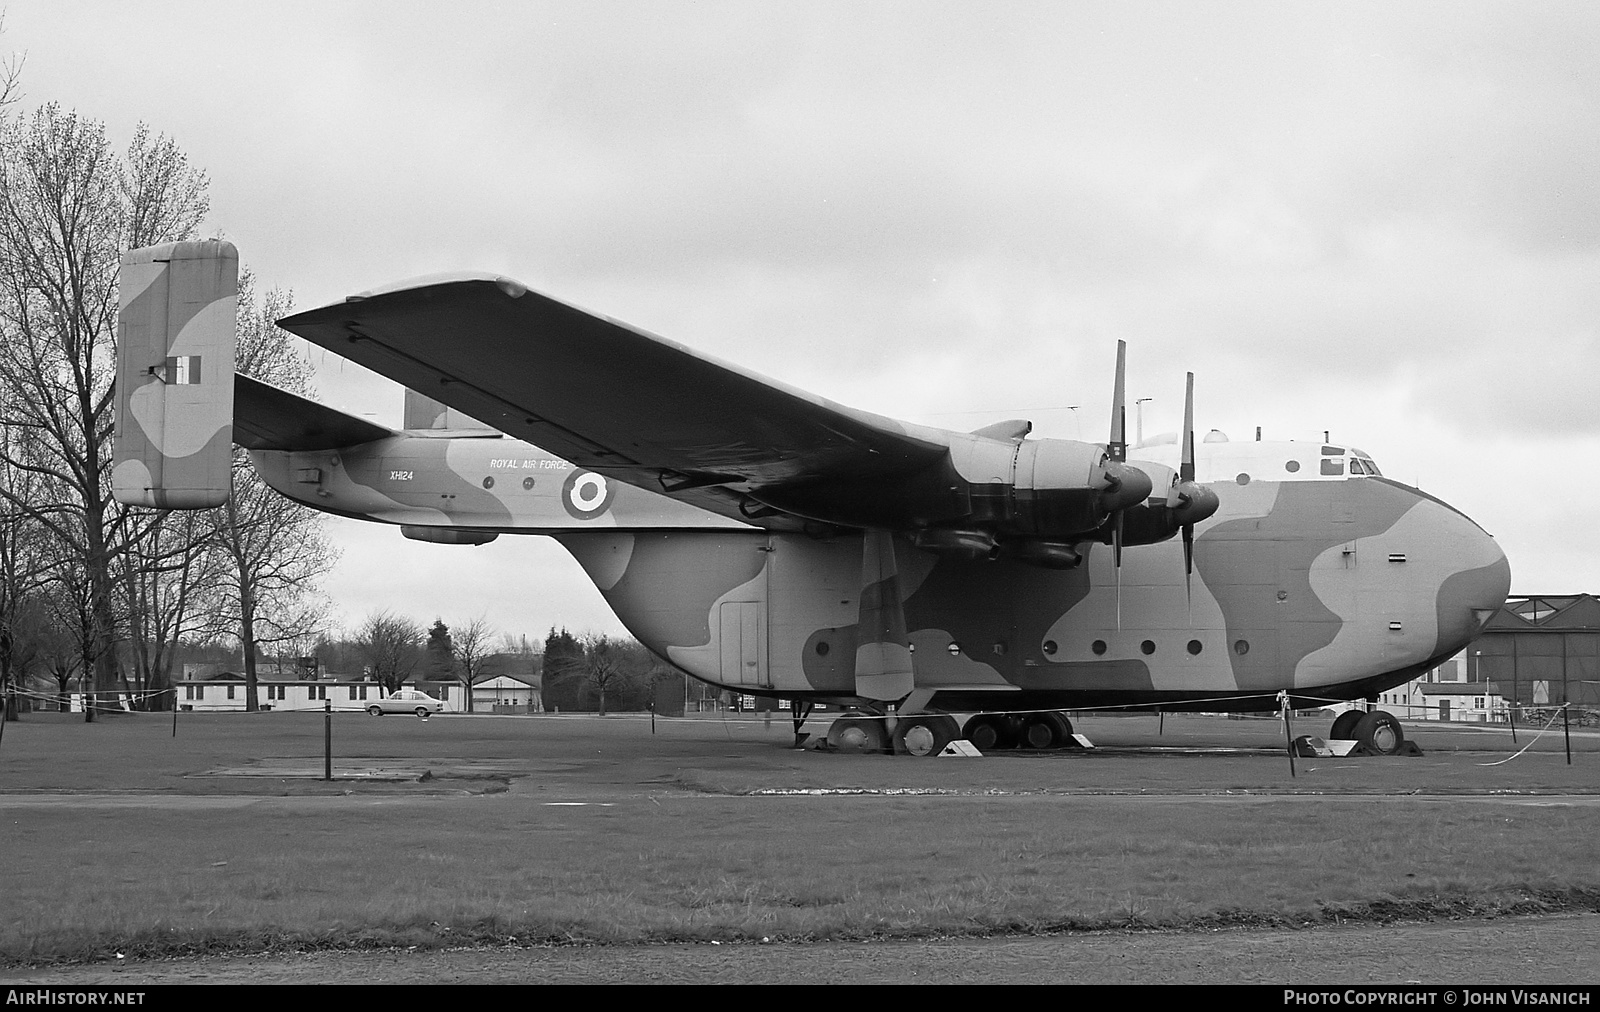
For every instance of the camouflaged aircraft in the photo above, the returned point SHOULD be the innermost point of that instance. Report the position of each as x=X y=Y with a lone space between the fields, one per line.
x=771 y=542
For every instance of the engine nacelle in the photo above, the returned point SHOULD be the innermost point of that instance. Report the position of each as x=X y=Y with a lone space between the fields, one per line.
x=1048 y=554
x=962 y=544
x=1065 y=489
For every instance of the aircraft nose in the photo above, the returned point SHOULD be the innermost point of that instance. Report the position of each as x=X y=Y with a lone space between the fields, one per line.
x=1471 y=596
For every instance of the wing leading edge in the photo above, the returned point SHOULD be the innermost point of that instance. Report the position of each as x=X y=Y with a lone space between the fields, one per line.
x=613 y=398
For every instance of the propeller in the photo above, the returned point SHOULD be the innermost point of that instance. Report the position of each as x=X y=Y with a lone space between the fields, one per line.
x=1117 y=450
x=1189 y=501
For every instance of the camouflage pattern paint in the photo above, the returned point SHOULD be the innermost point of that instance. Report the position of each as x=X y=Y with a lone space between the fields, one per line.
x=1314 y=574
x=173 y=447
x=484 y=484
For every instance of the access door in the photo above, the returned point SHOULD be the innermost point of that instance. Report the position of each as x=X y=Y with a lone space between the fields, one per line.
x=744 y=643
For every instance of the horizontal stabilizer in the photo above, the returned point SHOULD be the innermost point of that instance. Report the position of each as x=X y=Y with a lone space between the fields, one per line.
x=267 y=418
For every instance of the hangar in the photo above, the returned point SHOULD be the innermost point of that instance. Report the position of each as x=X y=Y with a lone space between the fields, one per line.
x=1541 y=650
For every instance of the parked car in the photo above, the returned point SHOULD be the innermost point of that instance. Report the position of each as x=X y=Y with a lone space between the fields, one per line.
x=407 y=701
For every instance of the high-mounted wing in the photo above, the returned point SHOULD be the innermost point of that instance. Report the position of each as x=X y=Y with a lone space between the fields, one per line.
x=612 y=398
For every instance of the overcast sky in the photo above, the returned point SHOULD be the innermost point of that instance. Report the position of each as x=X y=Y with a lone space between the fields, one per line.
x=1377 y=219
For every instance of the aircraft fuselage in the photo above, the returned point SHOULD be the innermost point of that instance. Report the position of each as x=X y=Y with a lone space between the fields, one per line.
x=1328 y=585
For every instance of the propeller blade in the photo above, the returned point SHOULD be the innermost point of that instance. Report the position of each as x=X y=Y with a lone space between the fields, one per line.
x=1185 y=474
x=1186 y=464
x=1188 y=568
x=1118 y=443
x=1117 y=449
x=1116 y=561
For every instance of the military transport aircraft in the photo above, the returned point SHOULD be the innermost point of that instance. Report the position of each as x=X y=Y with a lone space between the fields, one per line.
x=772 y=542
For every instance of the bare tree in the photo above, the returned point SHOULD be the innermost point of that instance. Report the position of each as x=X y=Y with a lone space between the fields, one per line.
x=603 y=666
x=10 y=73
x=274 y=548
x=472 y=649
x=24 y=567
x=169 y=580
x=392 y=646
x=68 y=208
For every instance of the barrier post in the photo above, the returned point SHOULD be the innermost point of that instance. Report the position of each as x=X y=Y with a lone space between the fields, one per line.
x=327 y=740
x=1288 y=732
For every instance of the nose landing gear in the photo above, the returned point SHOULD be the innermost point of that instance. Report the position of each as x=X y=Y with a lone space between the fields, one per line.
x=1375 y=732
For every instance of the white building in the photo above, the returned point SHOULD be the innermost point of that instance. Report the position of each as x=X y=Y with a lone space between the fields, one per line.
x=225 y=691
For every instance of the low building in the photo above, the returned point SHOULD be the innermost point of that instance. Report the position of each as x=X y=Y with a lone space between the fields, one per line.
x=1471 y=702
x=506 y=694
x=225 y=690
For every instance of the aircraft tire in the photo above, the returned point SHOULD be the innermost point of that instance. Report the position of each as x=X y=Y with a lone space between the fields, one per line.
x=1379 y=732
x=1344 y=725
x=1045 y=730
x=924 y=735
x=375 y=710
x=989 y=731
x=857 y=735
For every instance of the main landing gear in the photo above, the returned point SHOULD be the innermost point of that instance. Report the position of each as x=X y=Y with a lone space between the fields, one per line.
x=1046 y=729
x=925 y=734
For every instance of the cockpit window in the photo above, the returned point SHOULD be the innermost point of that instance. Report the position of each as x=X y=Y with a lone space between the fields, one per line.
x=1356 y=466
x=1332 y=466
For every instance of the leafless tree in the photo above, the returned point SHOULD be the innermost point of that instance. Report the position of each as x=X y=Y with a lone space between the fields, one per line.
x=472 y=649
x=24 y=568
x=392 y=646
x=169 y=578
x=603 y=665
x=68 y=208
x=273 y=548
x=10 y=73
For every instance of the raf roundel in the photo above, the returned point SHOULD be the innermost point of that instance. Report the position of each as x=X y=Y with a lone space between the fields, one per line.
x=586 y=495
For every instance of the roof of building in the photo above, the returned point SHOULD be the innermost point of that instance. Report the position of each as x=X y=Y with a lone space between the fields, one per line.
x=1458 y=688
x=1547 y=613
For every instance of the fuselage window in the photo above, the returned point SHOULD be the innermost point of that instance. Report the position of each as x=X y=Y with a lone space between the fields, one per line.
x=1291 y=466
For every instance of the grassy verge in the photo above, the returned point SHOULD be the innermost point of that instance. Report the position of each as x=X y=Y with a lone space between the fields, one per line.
x=81 y=883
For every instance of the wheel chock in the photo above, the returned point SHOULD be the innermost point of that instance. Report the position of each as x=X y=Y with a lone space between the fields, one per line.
x=961 y=748
x=1406 y=748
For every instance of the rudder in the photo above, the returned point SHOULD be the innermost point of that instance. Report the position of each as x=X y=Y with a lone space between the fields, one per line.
x=175 y=361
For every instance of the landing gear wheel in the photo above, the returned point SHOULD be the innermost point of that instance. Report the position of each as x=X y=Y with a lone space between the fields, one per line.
x=1045 y=730
x=1344 y=725
x=375 y=710
x=924 y=735
x=988 y=732
x=858 y=735
x=1380 y=733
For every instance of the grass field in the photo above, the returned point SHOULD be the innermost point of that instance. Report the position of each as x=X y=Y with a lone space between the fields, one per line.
x=118 y=837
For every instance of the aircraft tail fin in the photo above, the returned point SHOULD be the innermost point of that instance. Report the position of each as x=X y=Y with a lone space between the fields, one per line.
x=175 y=359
